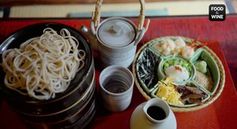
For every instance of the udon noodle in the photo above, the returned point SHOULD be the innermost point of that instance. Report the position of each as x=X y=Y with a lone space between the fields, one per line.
x=43 y=66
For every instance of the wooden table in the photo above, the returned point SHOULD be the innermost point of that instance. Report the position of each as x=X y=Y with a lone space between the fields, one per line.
x=221 y=36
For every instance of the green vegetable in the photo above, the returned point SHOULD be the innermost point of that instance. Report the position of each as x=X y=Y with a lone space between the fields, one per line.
x=201 y=66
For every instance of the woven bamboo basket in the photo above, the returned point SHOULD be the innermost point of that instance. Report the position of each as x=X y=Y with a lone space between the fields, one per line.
x=192 y=108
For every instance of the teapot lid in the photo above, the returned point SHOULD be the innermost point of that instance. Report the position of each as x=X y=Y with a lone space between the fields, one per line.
x=116 y=32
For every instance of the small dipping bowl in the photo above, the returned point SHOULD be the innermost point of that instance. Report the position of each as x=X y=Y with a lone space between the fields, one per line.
x=116 y=87
x=176 y=61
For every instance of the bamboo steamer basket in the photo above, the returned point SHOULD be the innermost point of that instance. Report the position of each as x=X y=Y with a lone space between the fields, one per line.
x=213 y=98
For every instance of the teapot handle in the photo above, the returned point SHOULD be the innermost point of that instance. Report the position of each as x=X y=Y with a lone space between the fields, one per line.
x=141 y=33
x=97 y=12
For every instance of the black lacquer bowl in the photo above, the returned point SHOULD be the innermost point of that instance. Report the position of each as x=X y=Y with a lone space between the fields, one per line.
x=81 y=82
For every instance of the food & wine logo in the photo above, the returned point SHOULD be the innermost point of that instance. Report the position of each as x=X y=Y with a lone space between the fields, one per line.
x=217 y=12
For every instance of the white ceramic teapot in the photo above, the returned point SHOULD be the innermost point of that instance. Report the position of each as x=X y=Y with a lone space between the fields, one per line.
x=116 y=37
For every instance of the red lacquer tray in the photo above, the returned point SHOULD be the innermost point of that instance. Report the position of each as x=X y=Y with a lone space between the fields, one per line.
x=219 y=115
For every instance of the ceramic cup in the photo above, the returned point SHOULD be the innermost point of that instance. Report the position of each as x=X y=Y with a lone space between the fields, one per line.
x=116 y=87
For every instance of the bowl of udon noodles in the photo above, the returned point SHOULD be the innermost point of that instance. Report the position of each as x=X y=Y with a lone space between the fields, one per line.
x=45 y=68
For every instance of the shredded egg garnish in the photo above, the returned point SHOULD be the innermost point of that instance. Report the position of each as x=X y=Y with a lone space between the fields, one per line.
x=166 y=91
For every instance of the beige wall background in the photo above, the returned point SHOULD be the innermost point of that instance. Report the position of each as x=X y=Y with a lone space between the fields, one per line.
x=77 y=8
x=30 y=2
